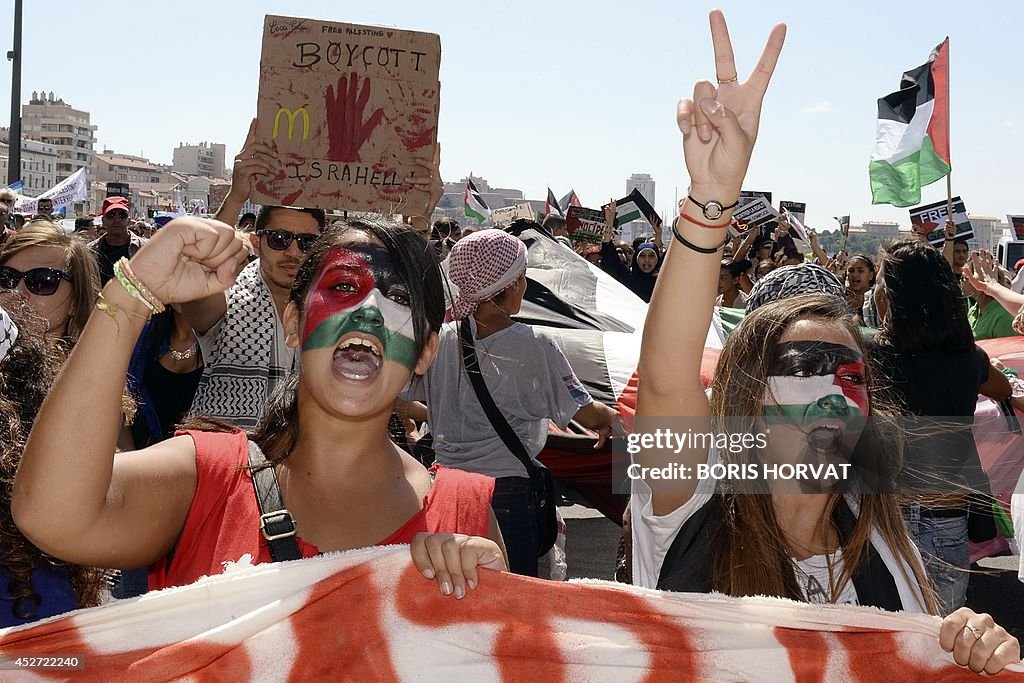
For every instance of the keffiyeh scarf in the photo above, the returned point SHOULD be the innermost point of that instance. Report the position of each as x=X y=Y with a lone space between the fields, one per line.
x=245 y=366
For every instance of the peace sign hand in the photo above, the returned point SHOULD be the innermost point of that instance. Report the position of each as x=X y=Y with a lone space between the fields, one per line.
x=719 y=125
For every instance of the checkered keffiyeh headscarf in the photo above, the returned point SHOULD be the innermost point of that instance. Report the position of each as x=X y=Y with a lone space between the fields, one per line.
x=8 y=334
x=483 y=265
x=803 y=278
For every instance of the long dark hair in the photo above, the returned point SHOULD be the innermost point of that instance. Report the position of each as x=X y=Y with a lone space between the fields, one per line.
x=26 y=375
x=278 y=431
x=926 y=304
x=750 y=553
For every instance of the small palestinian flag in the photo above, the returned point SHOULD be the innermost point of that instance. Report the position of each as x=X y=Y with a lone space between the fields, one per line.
x=569 y=200
x=844 y=224
x=912 y=142
x=551 y=206
x=476 y=207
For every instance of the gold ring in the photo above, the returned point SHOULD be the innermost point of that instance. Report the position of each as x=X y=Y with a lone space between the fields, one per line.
x=728 y=80
x=976 y=632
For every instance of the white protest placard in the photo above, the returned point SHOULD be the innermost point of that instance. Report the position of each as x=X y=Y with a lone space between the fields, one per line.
x=755 y=213
x=507 y=215
x=930 y=220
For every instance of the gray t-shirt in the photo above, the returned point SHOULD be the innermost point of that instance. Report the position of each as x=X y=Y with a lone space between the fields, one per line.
x=530 y=381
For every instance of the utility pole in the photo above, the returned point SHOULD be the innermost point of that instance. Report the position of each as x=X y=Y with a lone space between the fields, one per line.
x=14 y=139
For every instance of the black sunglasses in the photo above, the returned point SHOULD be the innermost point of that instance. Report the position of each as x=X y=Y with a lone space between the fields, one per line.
x=39 y=281
x=279 y=240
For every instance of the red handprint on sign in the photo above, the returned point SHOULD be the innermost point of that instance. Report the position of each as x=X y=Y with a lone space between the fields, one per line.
x=345 y=128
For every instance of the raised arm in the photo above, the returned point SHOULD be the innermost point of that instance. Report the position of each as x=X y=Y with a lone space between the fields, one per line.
x=255 y=159
x=981 y=273
x=745 y=246
x=823 y=258
x=719 y=127
x=949 y=239
x=72 y=497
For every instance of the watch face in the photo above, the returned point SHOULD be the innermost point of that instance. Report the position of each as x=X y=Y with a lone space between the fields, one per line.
x=712 y=210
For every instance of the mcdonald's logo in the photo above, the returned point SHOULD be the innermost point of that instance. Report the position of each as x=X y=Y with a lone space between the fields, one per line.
x=292 y=115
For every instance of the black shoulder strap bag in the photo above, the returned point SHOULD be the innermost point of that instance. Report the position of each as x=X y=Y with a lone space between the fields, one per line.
x=543 y=484
x=276 y=523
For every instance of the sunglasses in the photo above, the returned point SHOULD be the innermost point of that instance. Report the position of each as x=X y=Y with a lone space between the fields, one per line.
x=116 y=213
x=279 y=240
x=38 y=281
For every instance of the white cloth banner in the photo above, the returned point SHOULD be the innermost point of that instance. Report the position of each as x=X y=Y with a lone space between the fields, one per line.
x=74 y=188
x=367 y=615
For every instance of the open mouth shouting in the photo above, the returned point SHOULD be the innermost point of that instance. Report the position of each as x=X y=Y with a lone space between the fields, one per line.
x=359 y=307
x=358 y=357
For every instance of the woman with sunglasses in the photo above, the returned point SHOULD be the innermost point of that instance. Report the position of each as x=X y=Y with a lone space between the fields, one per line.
x=364 y=314
x=32 y=584
x=55 y=272
x=792 y=385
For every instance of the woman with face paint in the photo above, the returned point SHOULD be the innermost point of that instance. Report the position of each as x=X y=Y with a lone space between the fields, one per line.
x=364 y=311
x=793 y=374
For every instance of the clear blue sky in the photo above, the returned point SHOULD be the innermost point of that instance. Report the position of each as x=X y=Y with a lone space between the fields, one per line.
x=567 y=94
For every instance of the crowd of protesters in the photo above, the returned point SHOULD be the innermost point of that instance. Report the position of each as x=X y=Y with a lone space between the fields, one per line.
x=225 y=360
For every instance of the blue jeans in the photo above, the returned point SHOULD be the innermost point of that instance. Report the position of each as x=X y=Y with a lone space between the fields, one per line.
x=946 y=555
x=515 y=509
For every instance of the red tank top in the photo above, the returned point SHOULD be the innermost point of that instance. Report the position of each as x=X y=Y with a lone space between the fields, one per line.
x=223 y=521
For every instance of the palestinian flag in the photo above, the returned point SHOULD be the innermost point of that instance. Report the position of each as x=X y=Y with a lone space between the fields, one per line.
x=476 y=207
x=569 y=200
x=632 y=207
x=912 y=143
x=844 y=224
x=551 y=206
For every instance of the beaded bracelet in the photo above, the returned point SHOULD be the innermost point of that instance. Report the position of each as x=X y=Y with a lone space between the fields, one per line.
x=134 y=285
x=1018 y=321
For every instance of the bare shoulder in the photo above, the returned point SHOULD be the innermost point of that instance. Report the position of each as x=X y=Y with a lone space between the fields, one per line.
x=169 y=462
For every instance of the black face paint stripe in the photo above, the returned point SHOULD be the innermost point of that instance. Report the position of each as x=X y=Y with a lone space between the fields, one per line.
x=811 y=358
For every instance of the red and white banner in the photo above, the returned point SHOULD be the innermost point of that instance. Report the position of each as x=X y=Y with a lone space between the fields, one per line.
x=368 y=615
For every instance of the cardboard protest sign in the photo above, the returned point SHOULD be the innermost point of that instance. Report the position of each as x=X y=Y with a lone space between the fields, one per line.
x=633 y=207
x=798 y=209
x=930 y=220
x=350 y=108
x=1017 y=224
x=585 y=224
x=509 y=214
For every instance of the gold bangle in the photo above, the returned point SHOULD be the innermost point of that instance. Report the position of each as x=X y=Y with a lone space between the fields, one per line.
x=112 y=309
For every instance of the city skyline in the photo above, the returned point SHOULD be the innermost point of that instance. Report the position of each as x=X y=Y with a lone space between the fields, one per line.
x=161 y=81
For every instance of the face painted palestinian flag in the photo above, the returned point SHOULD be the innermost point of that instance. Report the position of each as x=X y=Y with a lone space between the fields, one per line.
x=355 y=292
x=813 y=381
x=912 y=143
